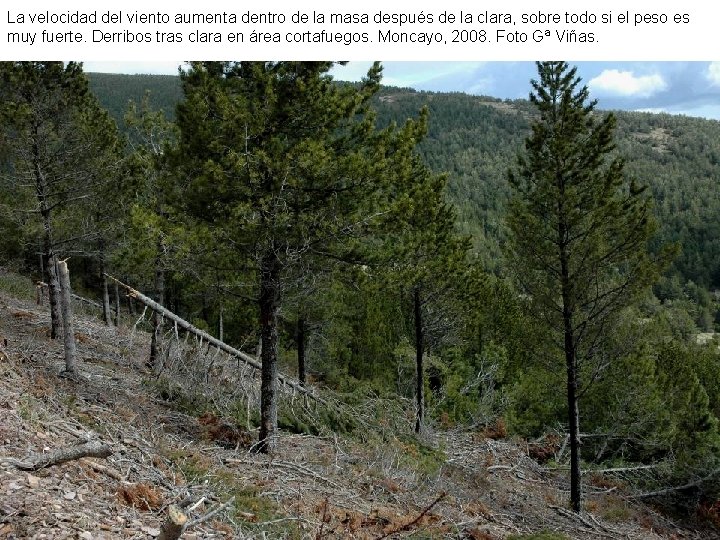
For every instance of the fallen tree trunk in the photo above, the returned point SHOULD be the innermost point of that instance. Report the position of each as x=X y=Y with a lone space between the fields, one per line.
x=90 y=449
x=667 y=491
x=182 y=323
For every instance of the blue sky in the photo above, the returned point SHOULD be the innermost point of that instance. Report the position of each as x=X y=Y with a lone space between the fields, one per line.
x=691 y=88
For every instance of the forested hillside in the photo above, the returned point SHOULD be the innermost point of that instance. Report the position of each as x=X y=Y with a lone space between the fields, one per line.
x=439 y=261
x=475 y=140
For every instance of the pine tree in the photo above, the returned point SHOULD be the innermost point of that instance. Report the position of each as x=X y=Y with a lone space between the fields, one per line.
x=286 y=169
x=426 y=257
x=151 y=138
x=60 y=143
x=579 y=231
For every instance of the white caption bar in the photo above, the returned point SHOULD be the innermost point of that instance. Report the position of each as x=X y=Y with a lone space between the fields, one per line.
x=450 y=30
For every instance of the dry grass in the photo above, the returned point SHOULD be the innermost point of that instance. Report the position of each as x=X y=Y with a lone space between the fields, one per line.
x=144 y=497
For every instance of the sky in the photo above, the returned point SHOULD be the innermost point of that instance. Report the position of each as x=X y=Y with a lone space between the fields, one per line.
x=690 y=88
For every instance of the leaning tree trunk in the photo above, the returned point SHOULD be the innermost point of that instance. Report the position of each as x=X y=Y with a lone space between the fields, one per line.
x=419 y=369
x=269 y=303
x=67 y=316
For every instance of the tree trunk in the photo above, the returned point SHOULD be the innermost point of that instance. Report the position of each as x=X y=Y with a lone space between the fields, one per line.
x=106 y=292
x=42 y=266
x=48 y=247
x=221 y=328
x=154 y=361
x=117 y=304
x=269 y=303
x=574 y=425
x=182 y=323
x=572 y=380
x=174 y=524
x=301 y=342
x=419 y=370
x=67 y=316
x=53 y=293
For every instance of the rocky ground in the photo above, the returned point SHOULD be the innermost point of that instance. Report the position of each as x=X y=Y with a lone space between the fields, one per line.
x=452 y=485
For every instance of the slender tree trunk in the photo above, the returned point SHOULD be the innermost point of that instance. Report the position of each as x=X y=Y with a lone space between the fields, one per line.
x=154 y=360
x=269 y=306
x=53 y=289
x=574 y=424
x=117 y=305
x=572 y=381
x=67 y=316
x=419 y=369
x=105 y=290
x=301 y=342
x=221 y=327
x=41 y=191
x=53 y=283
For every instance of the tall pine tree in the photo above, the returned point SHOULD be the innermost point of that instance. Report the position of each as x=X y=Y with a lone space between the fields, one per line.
x=62 y=145
x=579 y=231
x=285 y=168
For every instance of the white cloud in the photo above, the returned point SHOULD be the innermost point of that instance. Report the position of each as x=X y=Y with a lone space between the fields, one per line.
x=653 y=110
x=626 y=83
x=713 y=73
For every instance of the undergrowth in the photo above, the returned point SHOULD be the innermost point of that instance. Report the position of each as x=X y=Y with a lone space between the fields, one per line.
x=17 y=286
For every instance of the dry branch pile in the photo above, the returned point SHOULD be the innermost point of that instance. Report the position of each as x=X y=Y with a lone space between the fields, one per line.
x=169 y=468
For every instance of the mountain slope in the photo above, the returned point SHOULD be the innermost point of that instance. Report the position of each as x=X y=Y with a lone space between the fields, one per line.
x=476 y=138
x=449 y=485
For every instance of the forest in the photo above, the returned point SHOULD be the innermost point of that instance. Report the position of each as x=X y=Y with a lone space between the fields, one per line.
x=459 y=258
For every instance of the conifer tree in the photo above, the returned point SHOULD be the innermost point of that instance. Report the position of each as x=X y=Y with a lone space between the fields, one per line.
x=579 y=230
x=426 y=257
x=286 y=168
x=151 y=138
x=60 y=143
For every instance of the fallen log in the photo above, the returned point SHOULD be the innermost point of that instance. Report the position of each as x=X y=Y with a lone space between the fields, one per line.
x=42 y=461
x=182 y=323
x=673 y=489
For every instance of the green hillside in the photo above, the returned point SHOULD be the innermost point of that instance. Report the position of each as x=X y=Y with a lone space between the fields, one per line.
x=475 y=138
x=424 y=263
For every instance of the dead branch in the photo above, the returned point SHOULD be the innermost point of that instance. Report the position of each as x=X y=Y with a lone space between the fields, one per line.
x=597 y=529
x=85 y=300
x=182 y=323
x=414 y=522
x=91 y=449
x=210 y=514
x=673 y=489
x=98 y=467
x=287 y=465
